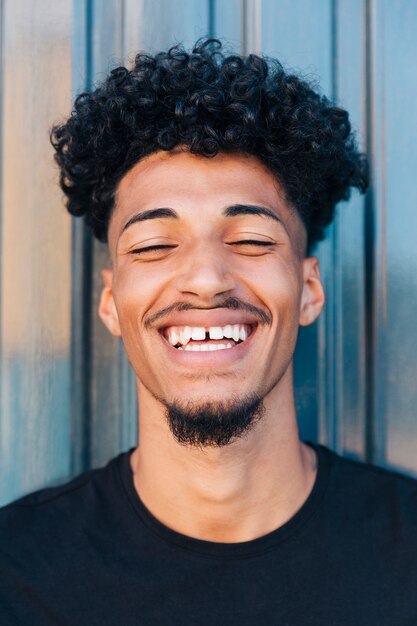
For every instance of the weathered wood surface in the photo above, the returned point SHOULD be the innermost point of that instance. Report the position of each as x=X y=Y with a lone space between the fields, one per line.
x=67 y=393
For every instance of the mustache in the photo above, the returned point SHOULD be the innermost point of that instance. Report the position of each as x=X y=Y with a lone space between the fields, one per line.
x=262 y=316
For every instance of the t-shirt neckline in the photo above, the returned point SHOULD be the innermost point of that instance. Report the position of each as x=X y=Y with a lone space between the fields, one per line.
x=230 y=550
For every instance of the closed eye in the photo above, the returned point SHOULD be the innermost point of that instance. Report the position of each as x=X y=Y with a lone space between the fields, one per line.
x=252 y=247
x=150 y=249
x=161 y=247
x=251 y=242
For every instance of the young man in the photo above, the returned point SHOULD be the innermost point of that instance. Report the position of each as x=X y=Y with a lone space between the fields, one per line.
x=211 y=177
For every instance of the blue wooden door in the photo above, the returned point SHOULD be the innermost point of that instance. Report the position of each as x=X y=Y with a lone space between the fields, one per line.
x=67 y=393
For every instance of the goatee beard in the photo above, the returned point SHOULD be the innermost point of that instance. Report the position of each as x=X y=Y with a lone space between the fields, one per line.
x=213 y=424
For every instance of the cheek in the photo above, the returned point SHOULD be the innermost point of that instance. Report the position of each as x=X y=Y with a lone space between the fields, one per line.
x=285 y=300
x=139 y=290
x=132 y=292
x=289 y=294
x=279 y=285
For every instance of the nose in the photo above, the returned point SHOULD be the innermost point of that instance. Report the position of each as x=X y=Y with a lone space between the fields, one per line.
x=205 y=274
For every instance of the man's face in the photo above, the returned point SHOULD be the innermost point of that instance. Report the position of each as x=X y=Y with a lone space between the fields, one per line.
x=207 y=290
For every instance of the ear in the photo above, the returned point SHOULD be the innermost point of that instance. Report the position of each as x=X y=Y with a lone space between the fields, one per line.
x=312 y=297
x=107 y=308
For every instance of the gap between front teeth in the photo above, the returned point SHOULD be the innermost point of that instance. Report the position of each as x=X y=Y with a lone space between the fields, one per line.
x=237 y=332
x=206 y=347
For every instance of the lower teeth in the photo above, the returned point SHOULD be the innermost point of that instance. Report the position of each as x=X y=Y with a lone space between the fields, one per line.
x=206 y=347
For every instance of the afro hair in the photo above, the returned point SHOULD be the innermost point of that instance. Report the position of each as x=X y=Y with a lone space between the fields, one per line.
x=208 y=102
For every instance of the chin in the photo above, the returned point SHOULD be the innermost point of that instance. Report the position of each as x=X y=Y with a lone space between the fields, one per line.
x=209 y=422
x=205 y=396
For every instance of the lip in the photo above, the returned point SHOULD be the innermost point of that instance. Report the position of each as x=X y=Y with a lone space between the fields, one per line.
x=208 y=317
x=210 y=358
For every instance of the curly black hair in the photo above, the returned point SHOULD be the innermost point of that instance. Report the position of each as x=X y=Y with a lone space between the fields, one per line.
x=208 y=102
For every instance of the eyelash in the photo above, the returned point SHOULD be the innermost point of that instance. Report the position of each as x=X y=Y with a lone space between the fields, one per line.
x=149 y=248
x=253 y=242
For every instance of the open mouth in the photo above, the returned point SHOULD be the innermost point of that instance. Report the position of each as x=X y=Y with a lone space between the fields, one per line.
x=207 y=339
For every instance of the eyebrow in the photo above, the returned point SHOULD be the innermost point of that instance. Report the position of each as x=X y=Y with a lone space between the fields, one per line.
x=151 y=214
x=251 y=209
x=230 y=211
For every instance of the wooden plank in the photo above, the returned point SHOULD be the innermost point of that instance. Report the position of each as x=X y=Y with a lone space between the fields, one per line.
x=120 y=29
x=113 y=416
x=349 y=259
x=252 y=26
x=228 y=23
x=35 y=248
x=394 y=47
x=300 y=34
x=330 y=360
x=153 y=25
x=80 y=270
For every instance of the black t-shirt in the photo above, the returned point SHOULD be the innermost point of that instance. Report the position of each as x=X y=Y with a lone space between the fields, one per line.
x=89 y=553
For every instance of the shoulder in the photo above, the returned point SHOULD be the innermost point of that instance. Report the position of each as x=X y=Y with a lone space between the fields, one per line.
x=48 y=540
x=57 y=511
x=33 y=512
x=367 y=474
x=48 y=495
x=379 y=496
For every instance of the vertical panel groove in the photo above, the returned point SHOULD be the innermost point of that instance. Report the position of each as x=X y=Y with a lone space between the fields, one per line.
x=369 y=240
x=211 y=6
x=89 y=43
x=1 y=183
x=334 y=50
x=81 y=287
x=35 y=330
x=334 y=406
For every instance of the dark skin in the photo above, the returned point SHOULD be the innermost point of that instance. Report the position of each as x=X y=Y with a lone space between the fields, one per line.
x=213 y=240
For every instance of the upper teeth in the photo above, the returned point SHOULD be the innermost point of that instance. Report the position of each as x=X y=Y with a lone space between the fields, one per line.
x=183 y=334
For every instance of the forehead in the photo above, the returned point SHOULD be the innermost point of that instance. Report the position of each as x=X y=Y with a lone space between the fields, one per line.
x=199 y=186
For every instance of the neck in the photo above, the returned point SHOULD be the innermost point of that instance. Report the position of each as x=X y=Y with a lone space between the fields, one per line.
x=230 y=494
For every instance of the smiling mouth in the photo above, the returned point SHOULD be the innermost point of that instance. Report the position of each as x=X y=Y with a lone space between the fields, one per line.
x=207 y=339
